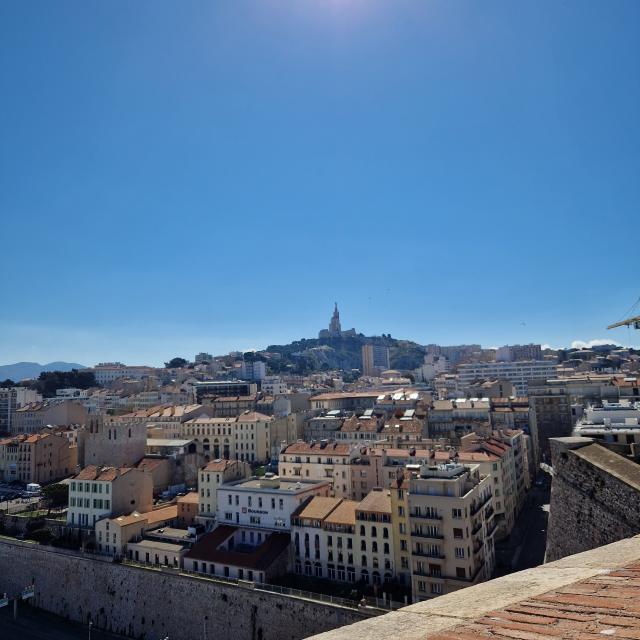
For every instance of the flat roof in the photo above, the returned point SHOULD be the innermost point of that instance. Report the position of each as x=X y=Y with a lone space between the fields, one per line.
x=167 y=442
x=159 y=546
x=285 y=486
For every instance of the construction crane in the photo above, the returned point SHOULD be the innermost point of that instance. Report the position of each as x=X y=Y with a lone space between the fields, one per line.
x=629 y=322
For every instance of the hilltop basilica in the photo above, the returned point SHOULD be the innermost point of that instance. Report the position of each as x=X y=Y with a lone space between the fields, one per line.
x=335 y=329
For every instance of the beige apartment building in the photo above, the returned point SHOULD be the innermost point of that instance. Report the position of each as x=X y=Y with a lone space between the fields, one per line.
x=346 y=466
x=40 y=458
x=102 y=492
x=32 y=418
x=216 y=473
x=345 y=540
x=246 y=437
x=451 y=527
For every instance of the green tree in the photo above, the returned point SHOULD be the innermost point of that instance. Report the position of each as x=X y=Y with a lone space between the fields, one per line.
x=56 y=496
x=176 y=363
x=7 y=384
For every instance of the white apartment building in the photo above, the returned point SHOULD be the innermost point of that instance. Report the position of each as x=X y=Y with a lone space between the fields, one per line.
x=100 y=492
x=519 y=372
x=273 y=386
x=108 y=372
x=265 y=503
x=256 y=370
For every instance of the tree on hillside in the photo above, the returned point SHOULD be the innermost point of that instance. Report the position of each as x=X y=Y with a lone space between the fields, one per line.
x=50 y=381
x=176 y=363
x=7 y=384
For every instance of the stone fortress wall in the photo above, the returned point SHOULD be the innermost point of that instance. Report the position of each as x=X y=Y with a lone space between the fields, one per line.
x=595 y=497
x=151 y=604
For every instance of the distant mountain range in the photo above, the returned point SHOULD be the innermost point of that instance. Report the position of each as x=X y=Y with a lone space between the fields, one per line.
x=28 y=370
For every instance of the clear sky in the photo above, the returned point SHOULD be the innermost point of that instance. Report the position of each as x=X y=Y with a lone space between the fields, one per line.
x=187 y=176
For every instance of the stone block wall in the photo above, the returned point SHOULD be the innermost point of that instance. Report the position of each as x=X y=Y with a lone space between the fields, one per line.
x=151 y=604
x=595 y=497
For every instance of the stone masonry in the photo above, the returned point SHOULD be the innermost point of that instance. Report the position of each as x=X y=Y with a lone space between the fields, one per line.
x=595 y=497
x=150 y=604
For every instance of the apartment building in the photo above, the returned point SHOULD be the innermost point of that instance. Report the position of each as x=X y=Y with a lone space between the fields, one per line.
x=455 y=418
x=554 y=403
x=210 y=478
x=345 y=540
x=11 y=399
x=246 y=437
x=347 y=401
x=253 y=370
x=345 y=466
x=100 y=492
x=33 y=418
x=451 y=527
x=274 y=386
x=39 y=458
x=519 y=372
x=224 y=388
x=267 y=502
x=108 y=372
x=375 y=359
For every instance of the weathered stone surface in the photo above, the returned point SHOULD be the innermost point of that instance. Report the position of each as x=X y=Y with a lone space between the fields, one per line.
x=151 y=604
x=595 y=498
x=559 y=599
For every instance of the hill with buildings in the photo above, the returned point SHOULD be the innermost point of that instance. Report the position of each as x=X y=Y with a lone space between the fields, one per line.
x=343 y=352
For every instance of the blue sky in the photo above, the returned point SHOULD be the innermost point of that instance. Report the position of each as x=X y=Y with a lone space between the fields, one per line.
x=186 y=176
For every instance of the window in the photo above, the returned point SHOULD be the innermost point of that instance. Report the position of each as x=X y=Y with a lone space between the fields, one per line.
x=458 y=533
x=385 y=533
x=459 y=552
x=456 y=513
x=461 y=572
x=436 y=589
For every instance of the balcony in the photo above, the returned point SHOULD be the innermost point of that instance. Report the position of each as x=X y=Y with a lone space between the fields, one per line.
x=427 y=536
x=425 y=516
x=429 y=554
x=476 y=506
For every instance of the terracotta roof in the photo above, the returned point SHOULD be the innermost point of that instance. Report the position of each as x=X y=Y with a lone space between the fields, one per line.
x=604 y=606
x=344 y=513
x=346 y=395
x=377 y=501
x=220 y=465
x=317 y=508
x=207 y=549
x=190 y=498
x=169 y=512
x=151 y=463
x=357 y=424
x=106 y=474
x=317 y=447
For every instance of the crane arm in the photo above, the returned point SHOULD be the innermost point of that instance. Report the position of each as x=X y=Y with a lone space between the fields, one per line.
x=625 y=323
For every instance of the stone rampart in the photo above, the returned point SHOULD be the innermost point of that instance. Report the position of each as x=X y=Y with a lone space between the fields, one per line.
x=151 y=604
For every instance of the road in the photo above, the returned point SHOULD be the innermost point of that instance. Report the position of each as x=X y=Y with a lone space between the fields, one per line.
x=525 y=547
x=33 y=624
